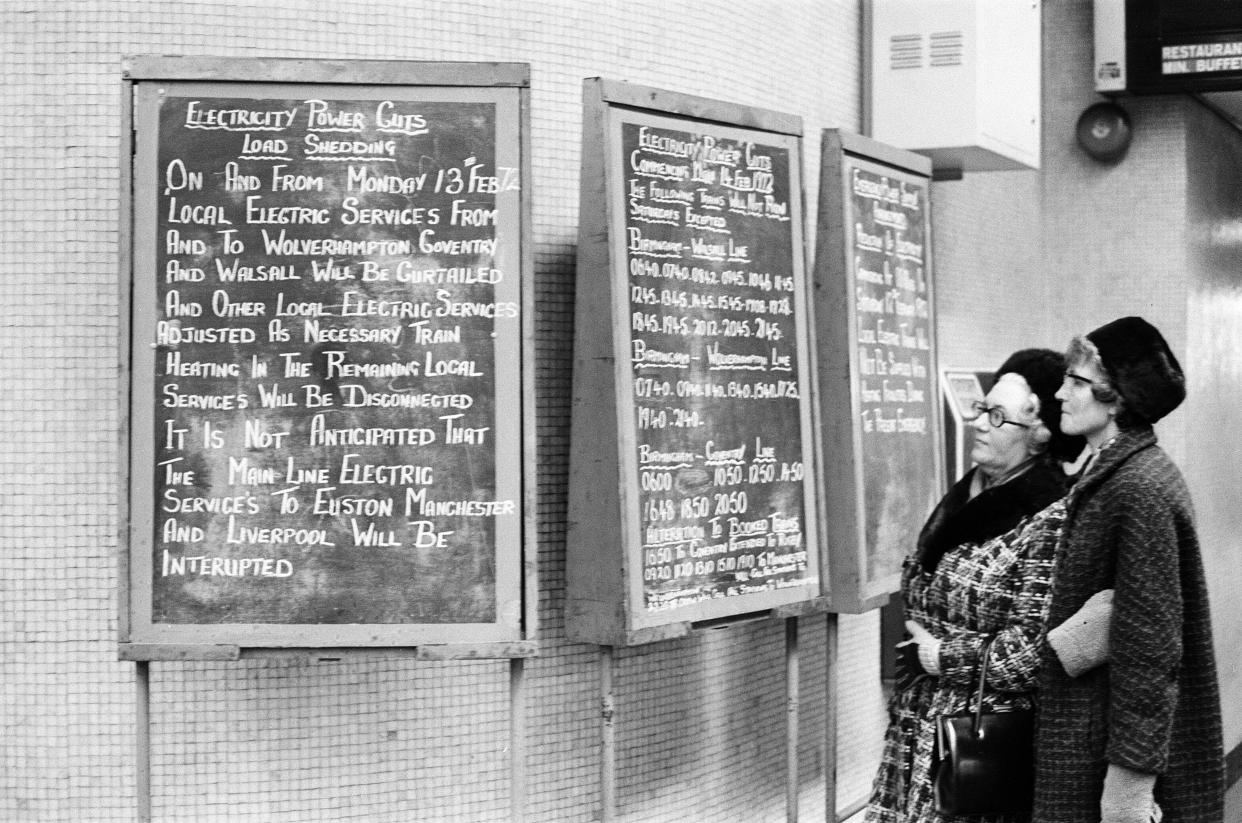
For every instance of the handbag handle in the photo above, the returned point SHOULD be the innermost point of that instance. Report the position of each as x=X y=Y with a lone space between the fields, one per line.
x=983 y=676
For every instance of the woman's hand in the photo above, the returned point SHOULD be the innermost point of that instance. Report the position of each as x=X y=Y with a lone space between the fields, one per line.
x=917 y=657
x=1127 y=797
x=909 y=669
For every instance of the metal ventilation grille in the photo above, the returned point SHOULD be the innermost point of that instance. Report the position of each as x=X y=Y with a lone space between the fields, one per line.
x=947 y=48
x=905 y=51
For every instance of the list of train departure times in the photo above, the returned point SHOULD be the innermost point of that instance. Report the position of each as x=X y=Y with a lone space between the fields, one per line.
x=718 y=386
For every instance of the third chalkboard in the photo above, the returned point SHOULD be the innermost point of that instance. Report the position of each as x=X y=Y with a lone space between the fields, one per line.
x=875 y=317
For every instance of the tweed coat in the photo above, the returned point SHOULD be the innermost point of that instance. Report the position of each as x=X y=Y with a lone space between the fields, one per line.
x=1155 y=706
x=988 y=575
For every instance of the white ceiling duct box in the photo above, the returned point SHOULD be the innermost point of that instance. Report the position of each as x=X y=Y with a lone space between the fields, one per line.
x=956 y=80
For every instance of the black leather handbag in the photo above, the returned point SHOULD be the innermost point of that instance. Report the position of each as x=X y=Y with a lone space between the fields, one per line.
x=984 y=761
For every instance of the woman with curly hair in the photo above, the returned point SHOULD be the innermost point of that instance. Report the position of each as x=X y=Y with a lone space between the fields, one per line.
x=980 y=573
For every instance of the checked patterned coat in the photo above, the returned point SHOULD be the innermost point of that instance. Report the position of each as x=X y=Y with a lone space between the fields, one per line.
x=993 y=580
x=1155 y=707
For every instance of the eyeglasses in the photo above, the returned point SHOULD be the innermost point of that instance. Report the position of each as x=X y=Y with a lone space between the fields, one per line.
x=1074 y=379
x=995 y=414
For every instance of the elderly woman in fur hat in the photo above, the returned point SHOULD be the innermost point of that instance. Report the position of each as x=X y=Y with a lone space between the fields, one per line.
x=980 y=574
x=1140 y=737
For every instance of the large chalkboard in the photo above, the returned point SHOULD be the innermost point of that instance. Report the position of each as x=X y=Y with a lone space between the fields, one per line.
x=327 y=357
x=875 y=319
x=691 y=464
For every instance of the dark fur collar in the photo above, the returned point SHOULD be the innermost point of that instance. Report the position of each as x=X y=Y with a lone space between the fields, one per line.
x=959 y=519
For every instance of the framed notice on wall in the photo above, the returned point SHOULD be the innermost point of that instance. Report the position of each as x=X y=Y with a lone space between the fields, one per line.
x=961 y=388
x=329 y=413
x=876 y=325
x=691 y=495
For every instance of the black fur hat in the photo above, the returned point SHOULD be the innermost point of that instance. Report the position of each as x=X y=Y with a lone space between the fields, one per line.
x=1141 y=367
x=1043 y=370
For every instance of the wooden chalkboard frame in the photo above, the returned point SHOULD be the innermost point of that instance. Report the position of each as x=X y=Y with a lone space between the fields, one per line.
x=513 y=631
x=854 y=589
x=604 y=567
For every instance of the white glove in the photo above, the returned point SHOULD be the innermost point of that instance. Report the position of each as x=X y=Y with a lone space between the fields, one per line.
x=1081 y=642
x=929 y=647
x=1127 y=797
